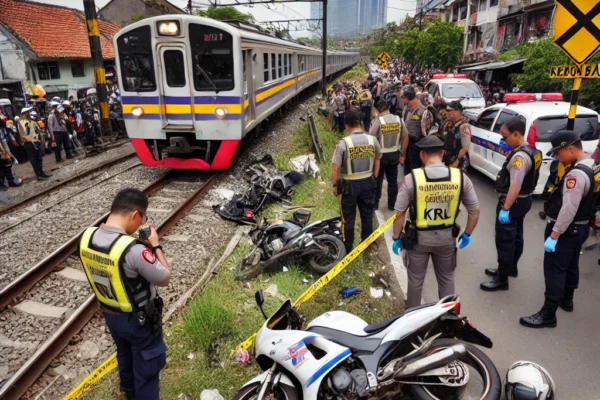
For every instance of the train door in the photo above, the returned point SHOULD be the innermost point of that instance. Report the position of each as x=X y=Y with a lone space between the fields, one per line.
x=175 y=87
x=249 y=58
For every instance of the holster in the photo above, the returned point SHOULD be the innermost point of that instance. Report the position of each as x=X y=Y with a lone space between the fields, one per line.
x=410 y=236
x=151 y=314
x=550 y=209
x=455 y=230
x=347 y=188
x=340 y=185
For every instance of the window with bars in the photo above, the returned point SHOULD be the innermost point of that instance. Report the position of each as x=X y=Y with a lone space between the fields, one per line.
x=77 y=69
x=48 y=70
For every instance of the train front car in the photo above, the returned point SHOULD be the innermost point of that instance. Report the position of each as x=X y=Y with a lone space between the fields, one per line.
x=181 y=81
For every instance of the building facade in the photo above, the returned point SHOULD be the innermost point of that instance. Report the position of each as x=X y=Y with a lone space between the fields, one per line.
x=351 y=17
x=125 y=12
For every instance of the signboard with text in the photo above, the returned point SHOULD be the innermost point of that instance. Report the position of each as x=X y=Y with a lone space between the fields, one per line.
x=575 y=71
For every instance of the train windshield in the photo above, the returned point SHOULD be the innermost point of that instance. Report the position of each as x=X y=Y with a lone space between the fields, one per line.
x=135 y=55
x=212 y=54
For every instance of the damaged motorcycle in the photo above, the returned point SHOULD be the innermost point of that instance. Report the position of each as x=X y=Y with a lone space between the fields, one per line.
x=425 y=353
x=294 y=241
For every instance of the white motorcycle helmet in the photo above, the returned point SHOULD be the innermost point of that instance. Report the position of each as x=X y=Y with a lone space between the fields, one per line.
x=526 y=380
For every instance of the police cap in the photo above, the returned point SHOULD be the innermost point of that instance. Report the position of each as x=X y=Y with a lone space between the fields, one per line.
x=454 y=105
x=563 y=139
x=430 y=143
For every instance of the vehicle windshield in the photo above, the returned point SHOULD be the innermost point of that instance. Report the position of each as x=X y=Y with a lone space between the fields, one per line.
x=587 y=125
x=464 y=90
x=137 y=65
x=212 y=54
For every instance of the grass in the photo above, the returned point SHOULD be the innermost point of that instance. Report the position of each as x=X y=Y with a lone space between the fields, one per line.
x=224 y=314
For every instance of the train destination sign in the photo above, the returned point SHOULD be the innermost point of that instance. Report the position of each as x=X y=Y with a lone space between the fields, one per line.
x=575 y=71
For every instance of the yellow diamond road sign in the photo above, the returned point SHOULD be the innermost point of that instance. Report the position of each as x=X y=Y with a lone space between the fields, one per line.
x=383 y=58
x=577 y=28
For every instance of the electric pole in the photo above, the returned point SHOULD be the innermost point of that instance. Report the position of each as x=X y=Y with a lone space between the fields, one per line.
x=324 y=78
x=98 y=62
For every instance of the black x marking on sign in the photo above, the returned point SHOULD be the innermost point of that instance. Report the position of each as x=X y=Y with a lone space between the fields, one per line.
x=583 y=21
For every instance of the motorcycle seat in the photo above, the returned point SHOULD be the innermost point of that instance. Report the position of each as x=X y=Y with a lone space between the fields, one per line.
x=378 y=327
x=355 y=343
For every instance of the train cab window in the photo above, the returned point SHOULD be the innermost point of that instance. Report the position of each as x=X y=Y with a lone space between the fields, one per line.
x=212 y=54
x=174 y=68
x=266 y=66
x=137 y=64
x=273 y=66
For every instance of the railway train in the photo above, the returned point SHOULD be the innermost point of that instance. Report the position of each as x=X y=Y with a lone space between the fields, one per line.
x=193 y=87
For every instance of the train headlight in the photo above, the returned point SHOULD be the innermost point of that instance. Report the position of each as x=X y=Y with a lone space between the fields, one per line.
x=168 y=28
x=221 y=113
x=137 y=112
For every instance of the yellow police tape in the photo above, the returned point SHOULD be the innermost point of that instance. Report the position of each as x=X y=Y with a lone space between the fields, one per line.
x=111 y=362
x=328 y=277
x=92 y=378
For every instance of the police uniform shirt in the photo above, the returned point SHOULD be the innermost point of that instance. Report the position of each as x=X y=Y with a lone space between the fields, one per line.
x=139 y=260
x=519 y=167
x=406 y=196
x=576 y=186
x=465 y=135
x=426 y=118
x=376 y=128
x=339 y=155
x=340 y=103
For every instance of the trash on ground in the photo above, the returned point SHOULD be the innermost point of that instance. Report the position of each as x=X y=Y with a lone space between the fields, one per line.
x=305 y=280
x=347 y=292
x=241 y=356
x=307 y=164
x=285 y=269
x=190 y=356
x=384 y=282
x=211 y=394
x=371 y=274
x=376 y=293
x=272 y=290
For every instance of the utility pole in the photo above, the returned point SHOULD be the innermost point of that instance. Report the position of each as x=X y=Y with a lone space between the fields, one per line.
x=189 y=7
x=98 y=62
x=324 y=78
x=466 y=43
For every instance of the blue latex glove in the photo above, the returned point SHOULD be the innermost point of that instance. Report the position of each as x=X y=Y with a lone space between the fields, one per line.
x=397 y=246
x=464 y=240
x=503 y=217
x=550 y=245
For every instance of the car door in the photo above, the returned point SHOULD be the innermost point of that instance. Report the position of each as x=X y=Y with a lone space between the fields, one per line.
x=497 y=148
x=480 y=133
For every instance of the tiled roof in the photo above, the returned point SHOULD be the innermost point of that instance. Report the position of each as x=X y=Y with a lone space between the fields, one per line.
x=53 y=31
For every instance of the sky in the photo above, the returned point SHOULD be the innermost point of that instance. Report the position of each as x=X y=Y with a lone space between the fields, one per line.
x=397 y=9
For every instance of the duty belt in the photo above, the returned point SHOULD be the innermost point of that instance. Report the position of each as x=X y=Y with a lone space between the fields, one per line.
x=572 y=223
x=357 y=176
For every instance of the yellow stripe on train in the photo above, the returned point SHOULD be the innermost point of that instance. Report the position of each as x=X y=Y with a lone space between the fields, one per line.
x=274 y=90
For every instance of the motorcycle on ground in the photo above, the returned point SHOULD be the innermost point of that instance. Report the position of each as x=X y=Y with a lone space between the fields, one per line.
x=293 y=241
x=425 y=353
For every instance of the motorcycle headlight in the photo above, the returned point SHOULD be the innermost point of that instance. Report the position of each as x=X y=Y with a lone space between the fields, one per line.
x=137 y=112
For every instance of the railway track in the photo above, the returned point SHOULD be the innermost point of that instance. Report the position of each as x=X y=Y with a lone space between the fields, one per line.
x=45 y=192
x=75 y=304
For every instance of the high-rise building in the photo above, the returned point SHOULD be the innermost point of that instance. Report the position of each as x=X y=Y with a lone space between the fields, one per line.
x=351 y=17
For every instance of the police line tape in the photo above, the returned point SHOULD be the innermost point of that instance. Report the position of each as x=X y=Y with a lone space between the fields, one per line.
x=91 y=379
x=328 y=277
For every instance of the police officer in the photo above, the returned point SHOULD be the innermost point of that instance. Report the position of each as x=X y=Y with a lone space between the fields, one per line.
x=366 y=106
x=417 y=120
x=31 y=136
x=355 y=168
x=339 y=108
x=397 y=105
x=388 y=129
x=515 y=184
x=569 y=209
x=123 y=273
x=457 y=135
x=433 y=195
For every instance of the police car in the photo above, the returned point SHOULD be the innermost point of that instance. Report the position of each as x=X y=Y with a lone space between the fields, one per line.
x=544 y=115
x=456 y=87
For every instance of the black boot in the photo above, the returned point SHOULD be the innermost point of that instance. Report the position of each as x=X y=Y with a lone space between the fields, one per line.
x=497 y=283
x=545 y=318
x=514 y=272
x=130 y=395
x=45 y=175
x=566 y=303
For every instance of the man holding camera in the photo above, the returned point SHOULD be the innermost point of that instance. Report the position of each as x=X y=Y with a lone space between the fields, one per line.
x=124 y=272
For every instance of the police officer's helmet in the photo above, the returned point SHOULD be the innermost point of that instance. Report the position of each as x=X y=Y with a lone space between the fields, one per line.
x=26 y=110
x=526 y=380
x=409 y=92
x=33 y=115
x=301 y=216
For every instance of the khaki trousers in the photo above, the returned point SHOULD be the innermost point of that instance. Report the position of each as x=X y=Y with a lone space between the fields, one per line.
x=444 y=263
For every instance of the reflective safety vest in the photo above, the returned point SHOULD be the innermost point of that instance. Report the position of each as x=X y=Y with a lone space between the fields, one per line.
x=436 y=200
x=359 y=154
x=104 y=270
x=33 y=133
x=391 y=131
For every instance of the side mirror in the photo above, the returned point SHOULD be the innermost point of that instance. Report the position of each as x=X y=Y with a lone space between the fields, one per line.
x=260 y=299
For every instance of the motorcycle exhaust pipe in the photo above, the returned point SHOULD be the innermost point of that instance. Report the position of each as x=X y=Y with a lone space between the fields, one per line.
x=435 y=360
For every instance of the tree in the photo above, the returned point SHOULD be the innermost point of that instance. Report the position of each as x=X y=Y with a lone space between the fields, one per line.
x=440 y=45
x=226 y=14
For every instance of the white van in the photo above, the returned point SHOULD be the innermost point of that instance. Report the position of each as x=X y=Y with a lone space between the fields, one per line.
x=544 y=115
x=456 y=87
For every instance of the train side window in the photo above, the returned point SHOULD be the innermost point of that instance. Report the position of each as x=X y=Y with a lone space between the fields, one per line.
x=266 y=66
x=174 y=68
x=273 y=66
x=280 y=65
x=244 y=63
x=285 y=65
x=291 y=71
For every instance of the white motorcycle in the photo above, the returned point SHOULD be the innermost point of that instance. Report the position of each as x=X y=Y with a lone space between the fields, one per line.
x=339 y=356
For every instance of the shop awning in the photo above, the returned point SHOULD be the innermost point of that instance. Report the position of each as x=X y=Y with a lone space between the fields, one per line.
x=464 y=66
x=495 y=65
x=449 y=3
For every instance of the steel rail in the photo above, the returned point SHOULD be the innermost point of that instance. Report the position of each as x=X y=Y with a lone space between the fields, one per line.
x=33 y=275
x=33 y=368
x=67 y=181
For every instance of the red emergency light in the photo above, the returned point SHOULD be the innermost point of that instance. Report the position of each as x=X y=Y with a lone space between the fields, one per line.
x=446 y=76
x=526 y=97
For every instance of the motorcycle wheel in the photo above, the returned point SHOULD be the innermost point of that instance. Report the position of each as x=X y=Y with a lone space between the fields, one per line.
x=479 y=364
x=284 y=392
x=322 y=263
